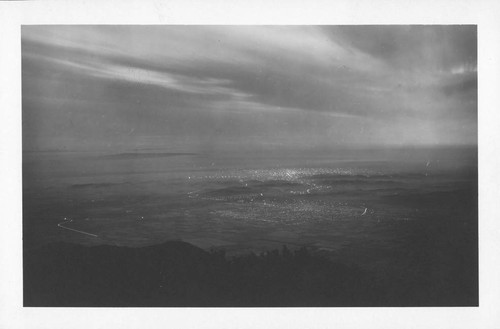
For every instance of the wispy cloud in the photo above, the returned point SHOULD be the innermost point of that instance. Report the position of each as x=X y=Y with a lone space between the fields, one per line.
x=302 y=78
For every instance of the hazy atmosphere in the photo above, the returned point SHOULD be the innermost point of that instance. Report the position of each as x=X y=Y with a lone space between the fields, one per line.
x=204 y=88
x=250 y=166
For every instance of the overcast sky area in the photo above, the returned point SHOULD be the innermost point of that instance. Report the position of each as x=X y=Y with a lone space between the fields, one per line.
x=204 y=88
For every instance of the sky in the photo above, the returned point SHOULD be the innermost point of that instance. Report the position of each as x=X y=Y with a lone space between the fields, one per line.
x=213 y=88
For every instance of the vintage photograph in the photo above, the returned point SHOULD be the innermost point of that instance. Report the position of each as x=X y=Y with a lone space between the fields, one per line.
x=249 y=166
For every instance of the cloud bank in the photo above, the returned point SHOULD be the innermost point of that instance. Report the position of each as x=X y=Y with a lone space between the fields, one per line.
x=195 y=88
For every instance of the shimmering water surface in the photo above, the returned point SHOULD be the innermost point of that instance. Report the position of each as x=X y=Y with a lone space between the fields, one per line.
x=344 y=205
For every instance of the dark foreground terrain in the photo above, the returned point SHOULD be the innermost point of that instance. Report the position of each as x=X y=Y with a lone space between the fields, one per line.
x=179 y=274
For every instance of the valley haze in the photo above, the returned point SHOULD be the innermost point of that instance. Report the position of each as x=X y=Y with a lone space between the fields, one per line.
x=250 y=165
